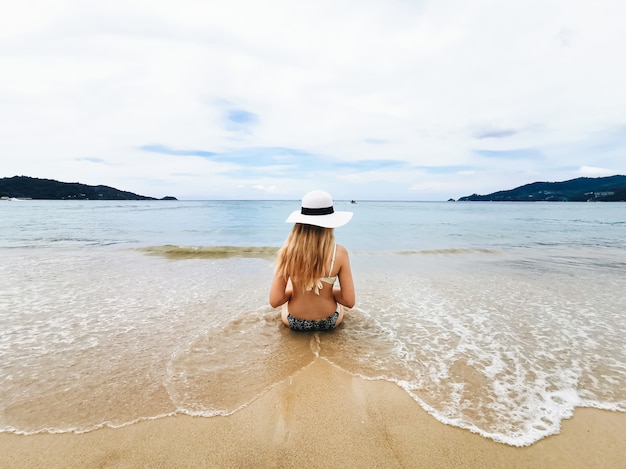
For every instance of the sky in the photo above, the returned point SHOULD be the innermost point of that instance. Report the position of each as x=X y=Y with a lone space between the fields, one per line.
x=368 y=100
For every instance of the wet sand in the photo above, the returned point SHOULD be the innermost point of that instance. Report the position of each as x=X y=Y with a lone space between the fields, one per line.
x=320 y=418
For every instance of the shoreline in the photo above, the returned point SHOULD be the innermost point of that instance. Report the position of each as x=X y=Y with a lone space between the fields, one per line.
x=321 y=417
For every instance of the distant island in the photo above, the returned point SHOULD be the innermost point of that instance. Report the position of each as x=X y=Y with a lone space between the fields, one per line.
x=24 y=187
x=603 y=189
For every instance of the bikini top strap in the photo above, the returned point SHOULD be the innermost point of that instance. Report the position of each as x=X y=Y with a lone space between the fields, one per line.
x=332 y=263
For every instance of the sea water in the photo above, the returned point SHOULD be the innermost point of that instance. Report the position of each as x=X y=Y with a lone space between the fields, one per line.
x=500 y=318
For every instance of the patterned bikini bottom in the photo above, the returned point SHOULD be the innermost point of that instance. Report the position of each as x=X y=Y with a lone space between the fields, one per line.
x=326 y=324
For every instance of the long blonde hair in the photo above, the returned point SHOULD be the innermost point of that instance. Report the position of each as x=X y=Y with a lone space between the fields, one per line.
x=304 y=256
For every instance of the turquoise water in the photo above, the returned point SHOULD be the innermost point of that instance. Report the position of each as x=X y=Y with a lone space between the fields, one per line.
x=500 y=318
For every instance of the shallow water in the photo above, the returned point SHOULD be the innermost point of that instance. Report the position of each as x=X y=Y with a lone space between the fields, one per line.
x=498 y=318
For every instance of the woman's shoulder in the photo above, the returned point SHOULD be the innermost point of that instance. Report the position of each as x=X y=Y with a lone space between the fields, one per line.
x=341 y=250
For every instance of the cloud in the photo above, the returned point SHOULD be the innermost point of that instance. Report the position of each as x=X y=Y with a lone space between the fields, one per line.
x=268 y=189
x=369 y=165
x=92 y=160
x=590 y=171
x=267 y=160
x=521 y=153
x=494 y=133
x=283 y=162
x=446 y=169
x=210 y=99
x=170 y=151
x=566 y=37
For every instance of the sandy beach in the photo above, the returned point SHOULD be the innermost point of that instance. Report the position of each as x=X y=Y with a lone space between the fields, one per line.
x=321 y=417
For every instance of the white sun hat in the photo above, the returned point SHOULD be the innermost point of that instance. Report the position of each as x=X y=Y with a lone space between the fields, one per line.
x=317 y=209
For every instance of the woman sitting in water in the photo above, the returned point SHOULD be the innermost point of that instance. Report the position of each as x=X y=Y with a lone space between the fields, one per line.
x=308 y=265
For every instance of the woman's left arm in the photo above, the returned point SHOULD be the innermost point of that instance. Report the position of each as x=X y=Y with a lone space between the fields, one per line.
x=345 y=294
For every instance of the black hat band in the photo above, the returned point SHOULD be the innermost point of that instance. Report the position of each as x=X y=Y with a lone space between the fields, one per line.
x=317 y=211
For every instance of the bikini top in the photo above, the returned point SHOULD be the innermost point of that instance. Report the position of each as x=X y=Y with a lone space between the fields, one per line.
x=329 y=280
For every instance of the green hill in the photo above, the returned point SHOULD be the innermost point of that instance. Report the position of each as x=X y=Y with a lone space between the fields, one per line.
x=23 y=187
x=604 y=189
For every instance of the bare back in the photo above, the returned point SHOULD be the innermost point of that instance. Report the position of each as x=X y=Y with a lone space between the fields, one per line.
x=312 y=306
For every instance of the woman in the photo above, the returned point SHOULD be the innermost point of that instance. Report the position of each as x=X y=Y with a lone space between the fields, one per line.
x=308 y=266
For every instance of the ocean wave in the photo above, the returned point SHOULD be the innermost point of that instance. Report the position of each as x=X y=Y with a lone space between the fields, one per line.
x=210 y=252
x=500 y=353
x=227 y=367
x=171 y=251
x=449 y=251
